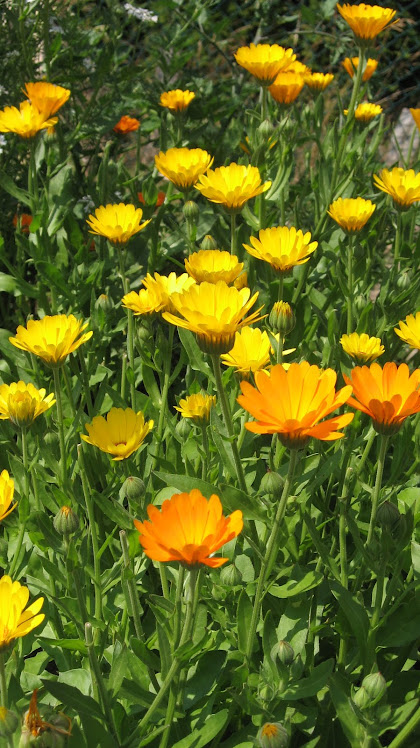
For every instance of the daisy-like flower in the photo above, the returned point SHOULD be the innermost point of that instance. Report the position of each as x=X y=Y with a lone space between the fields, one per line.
x=409 y=331
x=214 y=312
x=282 y=247
x=25 y=121
x=183 y=166
x=293 y=403
x=251 y=351
x=146 y=301
x=387 y=395
x=197 y=407
x=365 y=111
x=403 y=186
x=272 y=734
x=47 y=97
x=52 y=338
x=155 y=297
x=212 y=265
x=21 y=403
x=264 y=61
x=318 y=81
x=287 y=87
x=7 y=489
x=351 y=213
x=366 y=21
x=299 y=68
x=188 y=528
x=415 y=113
x=126 y=124
x=120 y=434
x=176 y=100
x=361 y=347
x=15 y=619
x=117 y=223
x=350 y=65
x=232 y=186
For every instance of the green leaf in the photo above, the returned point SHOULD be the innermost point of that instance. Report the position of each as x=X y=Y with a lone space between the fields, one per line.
x=243 y=617
x=310 y=686
x=186 y=483
x=222 y=442
x=201 y=737
x=74 y=645
x=114 y=511
x=145 y=654
x=205 y=677
x=345 y=710
x=297 y=584
x=151 y=386
x=195 y=356
x=70 y=696
x=356 y=616
x=17 y=286
x=234 y=498
x=9 y=186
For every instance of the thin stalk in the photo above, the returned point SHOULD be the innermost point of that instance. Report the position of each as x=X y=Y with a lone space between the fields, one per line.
x=398 y=237
x=93 y=534
x=406 y=730
x=97 y=679
x=410 y=146
x=170 y=710
x=343 y=504
x=263 y=103
x=164 y=396
x=280 y=349
x=69 y=388
x=24 y=505
x=60 y=420
x=130 y=329
x=85 y=381
x=228 y=419
x=350 y=284
x=206 y=460
x=357 y=83
x=3 y=683
x=371 y=642
x=233 y=243
x=377 y=488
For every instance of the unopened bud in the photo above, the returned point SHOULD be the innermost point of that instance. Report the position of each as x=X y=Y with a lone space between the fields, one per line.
x=361 y=698
x=271 y=484
x=265 y=130
x=230 y=575
x=404 y=280
x=283 y=651
x=374 y=685
x=272 y=735
x=183 y=428
x=388 y=515
x=132 y=489
x=282 y=318
x=66 y=522
x=208 y=242
x=191 y=210
x=8 y=722
x=104 y=302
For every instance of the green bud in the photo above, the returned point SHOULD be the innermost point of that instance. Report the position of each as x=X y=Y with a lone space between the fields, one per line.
x=66 y=521
x=143 y=334
x=284 y=652
x=282 y=318
x=361 y=698
x=404 y=280
x=8 y=722
x=191 y=210
x=132 y=489
x=208 y=243
x=375 y=686
x=272 y=735
x=271 y=484
x=183 y=428
x=104 y=302
x=265 y=130
x=388 y=515
x=230 y=575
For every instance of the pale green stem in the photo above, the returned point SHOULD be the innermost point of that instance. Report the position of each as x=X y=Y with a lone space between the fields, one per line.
x=97 y=679
x=398 y=237
x=343 y=504
x=350 y=284
x=371 y=642
x=206 y=459
x=3 y=683
x=410 y=146
x=93 y=534
x=228 y=419
x=85 y=380
x=406 y=730
x=164 y=396
x=60 y=420
x=233 y=249
x=69 y=388
x=130 y=329
x=377 y=488
x=280 y=349
x=357 y=83
x=23 y=515
x=263 y=103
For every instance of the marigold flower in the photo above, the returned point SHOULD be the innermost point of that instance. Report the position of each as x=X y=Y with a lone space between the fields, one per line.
x=366 y=21
x=214 y=312
x=251 y=351
x=350 y=65
x=146 y=301
x=318 y=81
x=52 y=338
x=155 y=297
x=24 y=221
x=298 y=67
x=212 y=265
x=159 y=200
x=188 y=528
x=403 y=186
x=118 y=223
x=293 y=403
x=25 y=121
x=272 y=735
x=7 y=489
x=361 y=347
x=183 y=166
x=232 y=186
x=287 y=87
x=47 y=97
x=282 y=247
x=120 y=434
x=126 y=124
x=15 y=620
x=21 y=403
x=176 y=100
x=282 y=319
x=365 y=111
x=351 y=213
x=415 y=113
x=387 y=395
x=410 y=330
x=197 y=407
x=264 y=61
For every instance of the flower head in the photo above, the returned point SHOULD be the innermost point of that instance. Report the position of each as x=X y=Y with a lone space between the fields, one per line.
x=350 y=213
x=176 y=100
x=409 y=330
x=232 y=185
x=197 y=407
x=188 y=528
x=251 y=351
x=361 y=347
x=212 y=265
x=318 y=81
x=118 y=223
x=159 y=200
x=272 y=735
x=183 y=166
x=25 y=121
x=7 y=489
x=52 y=338
x=21 y=403
x=120 y=434
x=47 y=97
x=126 y=124
x=350 y=65
x=24 y=221
x=15 y=619
x=293 y=403
x=366 y=21
x=387 y=395
x=282 y=247
x=365 y=111
x=264 y=61
x=286 y=87
x=415 y=113
x=155 y=297
x=403 y=186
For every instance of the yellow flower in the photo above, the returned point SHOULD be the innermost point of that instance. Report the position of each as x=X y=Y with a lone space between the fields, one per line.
x=21 y=403
x=120 y=434
x=15 y=620
x=214 y=312
x=287 y=87
x=351 y=213
x=264 y=61
x=146 y=301
x=232 y=186
x=118 y=223
x=47 y=97
x=7 y=489
x=183 y=166
x=299 y=68
x=361 y=347
x=176 y=100
x=415 y=113
x=366 y=21
x=52 y=338
x=212 y=265
x=197 y=407
x=25 y=121
x=155 y=297
x=364 y=112
x=251 y=351
x=281 y=247
x=410 y=330
x=350 y=65
x=403 y=186
x=318 y=81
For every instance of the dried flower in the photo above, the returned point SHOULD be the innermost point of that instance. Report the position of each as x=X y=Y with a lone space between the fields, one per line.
x=120 y=434
x=21 y=403
x=52 y=338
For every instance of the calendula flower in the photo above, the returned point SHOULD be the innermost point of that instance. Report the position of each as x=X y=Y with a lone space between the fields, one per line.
x=299 y=68
x=52 y=338
x=47 y=97
x=272 y=735
x=365 y=112
x=159 y=200
x=54 y=732
x=293 y=404
x=212 y=265
x=282 y=247
x=282 y=319
x=120 y=434
x=21 y=403
x=183 y=166
x=403 y=186
x=15 y=619
x=409 y=330
x=25 y=121
x=214 y=312
x=251 y=351
x=318 y=81
x=287 y=87
x=350 y=65
x=387 y=395
x=264 y=61
x=351 y=213
x=24 y=221
x=146 y=301
x=366 y=21
x=176 y=100
x=361 y=347
x=7 y=489
x=232 y=186
x=155 y=297
x=197 y=407
x=188 y=528
x=126 y=124
x=415 y=113
x=118 y=223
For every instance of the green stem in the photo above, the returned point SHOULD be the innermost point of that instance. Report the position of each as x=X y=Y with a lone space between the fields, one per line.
x=398 y=237
x=371 y=642
x=410 y=147
x=377 y=489
x=85 y=380
x=350 y=284
x=69 y=388
x=3 y=683
x=23 y=505
x=206 y=460
x=263 y=103
x=406 y=730
x=96 y=676
x=228 y=419
x=60 y=419
x=170 y=710
x=343 y=503
x=130 y=329
x=357 y=83
x=233 y=243
x=93 y=534
x=280 y=349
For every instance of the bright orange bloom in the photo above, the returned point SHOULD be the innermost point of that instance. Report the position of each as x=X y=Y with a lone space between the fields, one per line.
x=366 y=21
x=188 y=528
x=387 y=395
x=159 y=200
x=350 y=65
x=126 y=124
x=293 y=403
x=287 y=87
x=24 y=221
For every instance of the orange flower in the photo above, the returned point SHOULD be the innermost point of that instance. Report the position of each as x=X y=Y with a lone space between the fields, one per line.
x=24 y=221
x=293 y=403
x=188 y=528
x=159 y=200
x=350 y=65
x=126 y=124
x=387 y=395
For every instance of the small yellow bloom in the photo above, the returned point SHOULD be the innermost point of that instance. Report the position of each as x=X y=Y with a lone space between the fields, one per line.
x=16 y=620
x=25 y=121
x=264 y=61
x=415 y=113
x=351 y=213
x=403 y=186
x=176 y=100
x=197 y=407
x=287 y=87
x=299 y=68
x=118 y=223
x=366 y=21
x=365 y=111
x=232 y=186
x=410 y=330
x=350 y=65
x=361 y=347
x=47 y=97
x=212 y=265
x=120 y=434
x=146 y=301
x=52 y=338
x=155 y=297
x=183 y=166
x=318 y=81
x=21 y=403
x=7 y=489
x=282 y=247
x=251 y=351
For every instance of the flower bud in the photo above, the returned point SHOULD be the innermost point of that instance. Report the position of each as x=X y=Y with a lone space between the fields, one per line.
x=104 y=302
x=191 y=211
x=284 y=652
x=271 y=484
x=265 y=130
x=143 y=334
x=132 y=489
x=183 y=428
x=272 y=735
x=208 y=242
x=282 y=318
x=361 y=698
x=8 y=722
x=388 y=515
x=66 y=521
x=374 y=685
x=230 y=575
x=404 y=280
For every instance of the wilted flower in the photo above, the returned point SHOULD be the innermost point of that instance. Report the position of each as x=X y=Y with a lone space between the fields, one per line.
x=409 y=330
x=47 y=97
x=52 y=338
x=264 y=61
x=282 y=247
x=52 y=731
x=197 y=407
x=212 y=265
x=287 y=87
x=403 y=186
x=25 y=121
x=350 y=213
x=118 y=223
x=183 y=166
x=126 y=124
x=361 y=347
x=365 y=111
x=350 y=65
x=232 y=186
x=120 y=434
x=318 y=81
x=415 y=113
x=176 y=100
x=7 y=489
x=366 y=21
x=15 y=619
x=21 y=403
